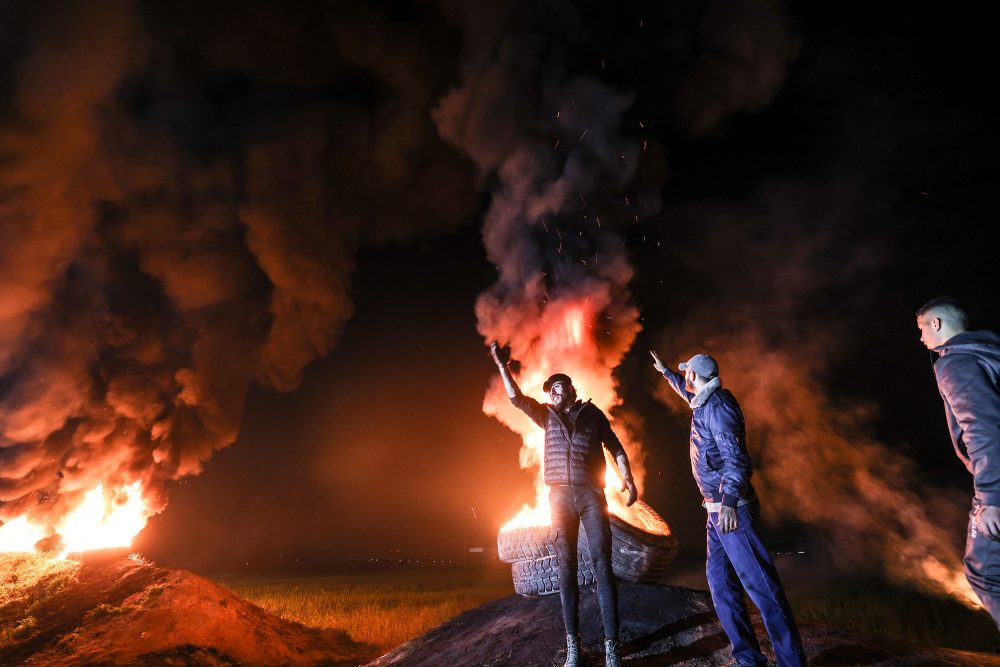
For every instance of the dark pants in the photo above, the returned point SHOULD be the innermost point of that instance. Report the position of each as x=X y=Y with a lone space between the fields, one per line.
x=571 y=506
x=738 y=560
x=982 y=565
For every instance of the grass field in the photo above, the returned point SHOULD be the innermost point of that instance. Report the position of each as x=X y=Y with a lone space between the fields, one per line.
x=868 y=605
x=875 y=608
x=387 y=608
x=384 y=608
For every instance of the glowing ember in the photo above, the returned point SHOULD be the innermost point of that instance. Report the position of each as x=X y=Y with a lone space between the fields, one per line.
x=100 y=521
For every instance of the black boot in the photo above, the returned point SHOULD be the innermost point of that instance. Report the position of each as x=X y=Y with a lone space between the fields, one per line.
x=572 y=651
x=611 y=658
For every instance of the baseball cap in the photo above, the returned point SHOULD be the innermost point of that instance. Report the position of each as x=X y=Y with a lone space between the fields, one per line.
x=702 y=365
x=558 y=377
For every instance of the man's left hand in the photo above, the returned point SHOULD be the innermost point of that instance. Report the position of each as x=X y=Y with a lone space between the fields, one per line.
x=633 y=493
x=989 y=521
x=727 y=519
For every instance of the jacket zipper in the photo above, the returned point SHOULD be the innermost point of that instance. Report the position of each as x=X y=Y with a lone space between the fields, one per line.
x=569 y=447
x=569 y=458
x=569 y=453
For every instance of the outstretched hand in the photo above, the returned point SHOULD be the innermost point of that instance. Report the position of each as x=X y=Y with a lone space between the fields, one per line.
x=658 y=363
x=500 y=355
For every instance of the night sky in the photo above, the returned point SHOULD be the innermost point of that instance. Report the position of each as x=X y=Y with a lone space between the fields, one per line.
x=261 y=226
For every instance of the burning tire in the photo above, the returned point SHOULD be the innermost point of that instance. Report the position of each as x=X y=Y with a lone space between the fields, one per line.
x=526 y=543
x=640 y=553
x=540 y=576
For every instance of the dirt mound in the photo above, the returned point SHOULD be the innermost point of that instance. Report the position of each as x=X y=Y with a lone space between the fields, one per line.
x=662 y=625
x=115 y=610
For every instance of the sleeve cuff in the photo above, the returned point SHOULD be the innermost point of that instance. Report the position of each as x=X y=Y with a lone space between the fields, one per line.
x=991 y=498
x=730 y=501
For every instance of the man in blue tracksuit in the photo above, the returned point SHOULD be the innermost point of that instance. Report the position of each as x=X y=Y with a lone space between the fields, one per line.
x=737 y=558
x=967 y=370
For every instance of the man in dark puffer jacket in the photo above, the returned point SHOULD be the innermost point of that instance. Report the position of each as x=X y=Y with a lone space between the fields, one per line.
x=737 y=558
x=574 y=472
x=967 y=371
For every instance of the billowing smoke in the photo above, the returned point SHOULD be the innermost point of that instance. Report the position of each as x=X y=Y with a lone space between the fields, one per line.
x=749 y=47
x=563 y=155
x=183 y=188
x=563 y=168
x=788 y=279
x=179 y=218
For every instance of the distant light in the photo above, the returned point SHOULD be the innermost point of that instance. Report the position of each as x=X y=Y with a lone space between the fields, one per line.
x=475 y=550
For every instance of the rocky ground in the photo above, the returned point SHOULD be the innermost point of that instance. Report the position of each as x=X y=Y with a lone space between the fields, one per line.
x=116 y=611
x=664 y=625
x=113 y=610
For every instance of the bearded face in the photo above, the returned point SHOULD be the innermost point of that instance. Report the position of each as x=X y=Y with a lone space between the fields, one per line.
x=562 y=395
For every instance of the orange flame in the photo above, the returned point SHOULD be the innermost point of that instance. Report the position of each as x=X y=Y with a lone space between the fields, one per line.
x=20 y=535
x=102 y=523
x=99 y=521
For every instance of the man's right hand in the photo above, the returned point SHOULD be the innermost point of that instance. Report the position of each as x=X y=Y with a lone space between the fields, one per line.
x=628 y=484
x=500 y=356
x=728 y=521
x=658 y=363
x=989 y=521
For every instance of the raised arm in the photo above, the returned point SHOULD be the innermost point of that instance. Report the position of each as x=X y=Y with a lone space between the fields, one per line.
x=525 y=404
x=501 y=361
x=675 y=379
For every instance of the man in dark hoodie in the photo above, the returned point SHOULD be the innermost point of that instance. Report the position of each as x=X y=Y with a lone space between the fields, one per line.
x=737 y=558
x=576 y=433
x=967 y=370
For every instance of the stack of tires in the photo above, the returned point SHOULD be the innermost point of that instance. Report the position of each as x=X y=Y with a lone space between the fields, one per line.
x=637 y=555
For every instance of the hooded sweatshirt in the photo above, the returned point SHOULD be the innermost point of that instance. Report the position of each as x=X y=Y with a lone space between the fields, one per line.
x=968 y=378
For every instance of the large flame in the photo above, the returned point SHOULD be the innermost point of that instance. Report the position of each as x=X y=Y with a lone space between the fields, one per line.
x=101 y=520
x=20 y=535
x=571 y=338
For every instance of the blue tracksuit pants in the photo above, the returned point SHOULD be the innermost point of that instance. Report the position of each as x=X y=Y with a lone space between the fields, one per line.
x=982 y=565
x=738 y=561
